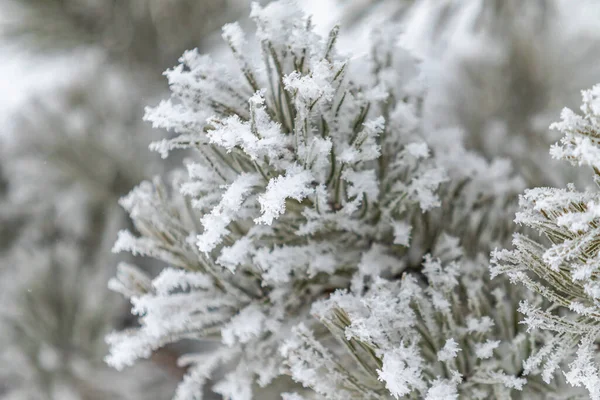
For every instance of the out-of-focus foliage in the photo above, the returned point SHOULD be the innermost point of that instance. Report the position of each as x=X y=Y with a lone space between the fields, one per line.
x=66 y=157
x=56 y=310
x=356 y=11
x=499 y=70
x=149 y=32
x=70 y=150
x=66 y=161
x=509 y=67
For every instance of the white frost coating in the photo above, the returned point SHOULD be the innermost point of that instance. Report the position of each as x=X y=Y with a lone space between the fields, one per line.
x=171 y=279
x=201 y=367
x=234 y=35
x=216 y=223
x=449 y=351
x=130 y=281
x=248 y=324
x=317 y=86
x=401 y=371
x=236 y=385
x=365 y=147
x=281 y=23
x=238 y=253
x=278 y=264
x=442 y=389
x=360 y=184
x=295 y=184
x=418 y=150
x=424 y=188
x=402 y=232
x=584 y=371
x=486 y=350
x=570 y=219
x=480 y=325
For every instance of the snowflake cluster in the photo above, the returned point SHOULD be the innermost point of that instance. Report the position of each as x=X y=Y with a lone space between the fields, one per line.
x=457 y=335
x=315 y=231
x=562 y=266
x=298 y=176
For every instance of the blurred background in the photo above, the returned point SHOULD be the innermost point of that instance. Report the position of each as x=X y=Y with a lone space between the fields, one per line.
x=76 y=75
